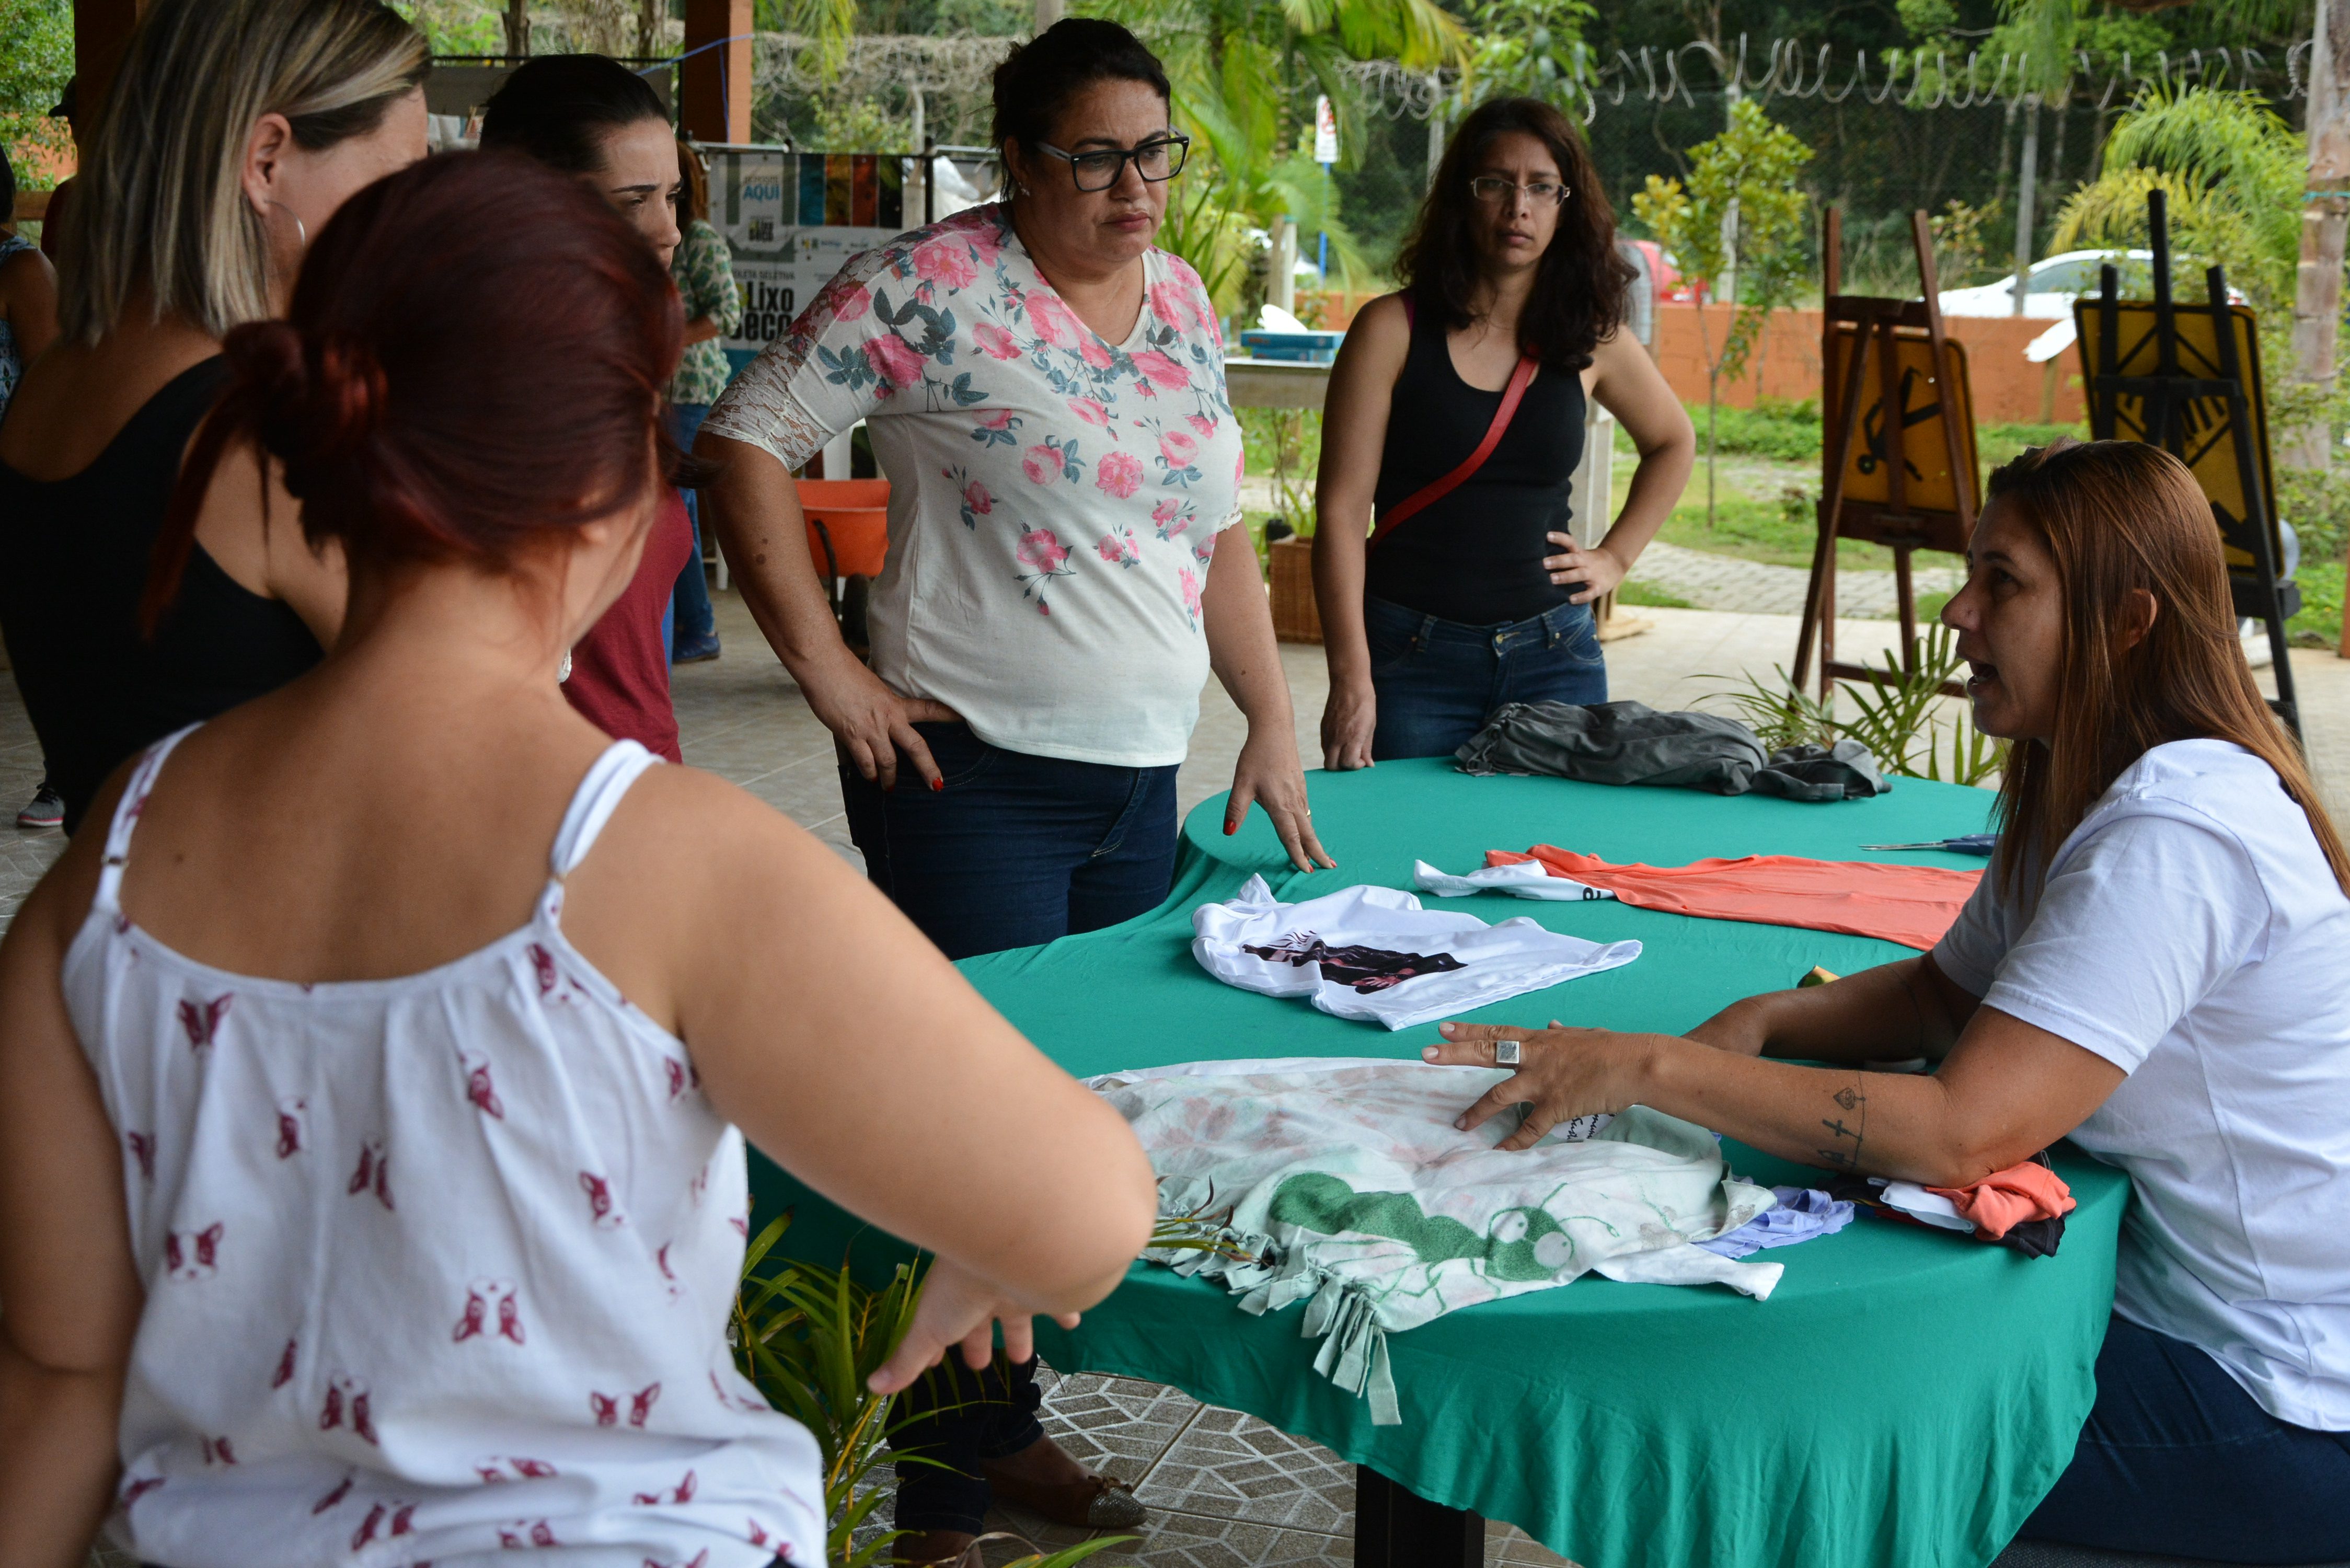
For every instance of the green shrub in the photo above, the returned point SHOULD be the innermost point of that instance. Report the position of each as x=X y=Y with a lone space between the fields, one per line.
x=1773 y=427
x=2318 y=507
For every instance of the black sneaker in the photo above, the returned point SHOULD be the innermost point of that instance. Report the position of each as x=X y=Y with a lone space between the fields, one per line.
x=45 y=809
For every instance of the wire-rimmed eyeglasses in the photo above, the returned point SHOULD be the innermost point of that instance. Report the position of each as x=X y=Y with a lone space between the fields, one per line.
x=1159 y=158
x=1493 y=189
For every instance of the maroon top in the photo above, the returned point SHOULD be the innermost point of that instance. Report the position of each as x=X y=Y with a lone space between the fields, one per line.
x=620 y=670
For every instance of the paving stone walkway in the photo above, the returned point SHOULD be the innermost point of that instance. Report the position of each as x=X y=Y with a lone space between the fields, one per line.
x=1709 y=581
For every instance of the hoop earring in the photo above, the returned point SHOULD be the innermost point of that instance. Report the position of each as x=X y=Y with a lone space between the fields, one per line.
x=301 y=231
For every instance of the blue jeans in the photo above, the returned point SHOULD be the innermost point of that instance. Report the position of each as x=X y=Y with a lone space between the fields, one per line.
x=1016 y=849
x=2178 y=1459
x=1437 y=680
x=958 y=1419
x=690 y=600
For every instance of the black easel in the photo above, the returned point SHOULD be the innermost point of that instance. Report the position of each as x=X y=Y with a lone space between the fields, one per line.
x=2176 y=414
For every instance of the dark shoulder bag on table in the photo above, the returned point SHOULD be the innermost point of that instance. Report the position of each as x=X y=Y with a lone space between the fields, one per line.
x=1429 y=494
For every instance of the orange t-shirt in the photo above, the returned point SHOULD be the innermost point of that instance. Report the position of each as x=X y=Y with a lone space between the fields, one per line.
x=1912 y=905
x=2006 y=1199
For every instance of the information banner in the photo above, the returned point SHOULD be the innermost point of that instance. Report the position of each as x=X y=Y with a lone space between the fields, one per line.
x=784 y=215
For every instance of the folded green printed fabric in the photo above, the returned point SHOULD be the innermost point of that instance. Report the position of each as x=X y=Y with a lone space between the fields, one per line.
x=1347 y=1186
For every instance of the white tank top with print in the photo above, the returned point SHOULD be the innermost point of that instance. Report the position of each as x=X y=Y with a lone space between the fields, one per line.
x=437 y=1267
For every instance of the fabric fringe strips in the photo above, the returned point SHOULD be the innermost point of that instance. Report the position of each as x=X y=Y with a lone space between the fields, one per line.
x=1263 y=1272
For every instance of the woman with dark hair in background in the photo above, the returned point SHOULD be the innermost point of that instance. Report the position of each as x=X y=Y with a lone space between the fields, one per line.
x=1473 y=593
x=2152 y=967
x=413 y=918
x=703 y=271
x=29 y=295
x=591 y=117
x=29 y=324
x=234 y=129
x=1045 y=389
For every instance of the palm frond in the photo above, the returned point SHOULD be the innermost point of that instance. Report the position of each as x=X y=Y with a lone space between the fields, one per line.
x=2231 y=171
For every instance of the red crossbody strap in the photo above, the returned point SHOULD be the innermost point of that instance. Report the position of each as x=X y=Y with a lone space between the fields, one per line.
x=1429 y=494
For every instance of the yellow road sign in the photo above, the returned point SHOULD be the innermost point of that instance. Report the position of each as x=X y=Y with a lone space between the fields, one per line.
x=2207 y=426
x=1925 y=449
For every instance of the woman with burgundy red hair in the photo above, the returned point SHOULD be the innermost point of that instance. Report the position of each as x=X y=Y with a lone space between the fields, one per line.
x=371 y=1167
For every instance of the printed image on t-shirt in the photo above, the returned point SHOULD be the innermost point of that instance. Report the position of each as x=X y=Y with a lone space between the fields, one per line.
x=1350 y=953
x=1367 y=968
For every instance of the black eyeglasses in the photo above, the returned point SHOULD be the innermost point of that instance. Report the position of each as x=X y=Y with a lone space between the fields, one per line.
x=1160 y=157
x=1492 y=188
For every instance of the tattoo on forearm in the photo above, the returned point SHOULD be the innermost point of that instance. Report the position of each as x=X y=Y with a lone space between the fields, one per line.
x=1849 y=1136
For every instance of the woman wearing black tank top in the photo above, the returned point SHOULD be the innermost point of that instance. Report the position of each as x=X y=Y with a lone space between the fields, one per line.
x=234 y=130
x=1473 y=593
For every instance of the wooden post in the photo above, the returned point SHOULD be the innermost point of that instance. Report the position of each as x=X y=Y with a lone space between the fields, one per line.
x=716 y=90
x=2324 y=218
x=102 y=31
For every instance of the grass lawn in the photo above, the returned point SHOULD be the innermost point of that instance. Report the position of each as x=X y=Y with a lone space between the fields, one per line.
x=2319 y=624
x=1767 y=483
x=1639 y=593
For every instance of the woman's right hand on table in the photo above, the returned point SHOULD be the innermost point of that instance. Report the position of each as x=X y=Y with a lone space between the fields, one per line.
x=1348 y=717
x=874 y=723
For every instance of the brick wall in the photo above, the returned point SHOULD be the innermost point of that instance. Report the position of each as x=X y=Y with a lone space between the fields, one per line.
x=2007 y=387
x=1786 y=363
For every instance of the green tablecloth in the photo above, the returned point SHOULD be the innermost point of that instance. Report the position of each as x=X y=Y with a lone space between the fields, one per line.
x=1904 y=1398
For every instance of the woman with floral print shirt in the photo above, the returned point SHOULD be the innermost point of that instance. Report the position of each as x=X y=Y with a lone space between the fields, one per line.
x=703 y=271
x=1044 y=389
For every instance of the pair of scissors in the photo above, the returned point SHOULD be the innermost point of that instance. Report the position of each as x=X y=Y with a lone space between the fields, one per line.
x=1971 y=844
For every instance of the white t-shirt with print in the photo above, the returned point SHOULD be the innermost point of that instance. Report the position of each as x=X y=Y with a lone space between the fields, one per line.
x=1054 y=499
x=2191 y=932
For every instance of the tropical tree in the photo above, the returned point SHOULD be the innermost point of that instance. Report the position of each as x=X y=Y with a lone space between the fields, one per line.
x=2322 y=207
x=1750 y=170
x=2232 y=170
x=1530 y=49
x=35 y=60
x=1246 y=76
x=2231 y=173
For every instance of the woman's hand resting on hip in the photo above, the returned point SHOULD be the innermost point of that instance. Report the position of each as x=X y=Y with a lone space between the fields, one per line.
x=874 y=724
x=1597 y=569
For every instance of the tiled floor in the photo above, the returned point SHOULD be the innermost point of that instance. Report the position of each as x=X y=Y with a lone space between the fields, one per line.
x=1225 y=1490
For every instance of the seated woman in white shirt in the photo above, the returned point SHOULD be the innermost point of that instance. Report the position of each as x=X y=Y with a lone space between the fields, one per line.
x=2157 y=965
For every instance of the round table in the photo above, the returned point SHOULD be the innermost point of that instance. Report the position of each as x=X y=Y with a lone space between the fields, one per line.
x=1905 y=1396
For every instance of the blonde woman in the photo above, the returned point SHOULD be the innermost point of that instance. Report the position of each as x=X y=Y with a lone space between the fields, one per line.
x=233 y=131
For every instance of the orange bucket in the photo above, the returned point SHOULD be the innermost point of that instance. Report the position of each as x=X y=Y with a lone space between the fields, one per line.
x=854 y=518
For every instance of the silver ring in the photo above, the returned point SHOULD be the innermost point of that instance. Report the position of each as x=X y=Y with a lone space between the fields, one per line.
x=1508 y=1052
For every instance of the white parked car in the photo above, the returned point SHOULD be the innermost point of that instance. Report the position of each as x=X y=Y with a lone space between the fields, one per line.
x=2052 y=285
